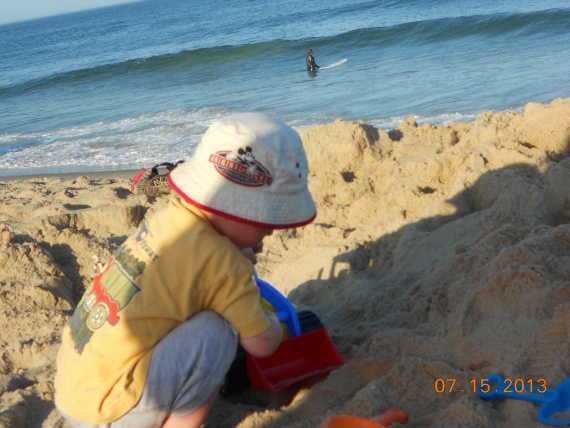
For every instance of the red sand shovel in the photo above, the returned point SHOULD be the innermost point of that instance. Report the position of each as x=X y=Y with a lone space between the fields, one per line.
x=301 y=356
x=380 y=421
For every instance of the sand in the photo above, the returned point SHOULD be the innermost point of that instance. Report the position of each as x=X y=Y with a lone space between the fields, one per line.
x=437 y=253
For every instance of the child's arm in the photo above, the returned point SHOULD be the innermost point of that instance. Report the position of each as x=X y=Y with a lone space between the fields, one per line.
x=266 y=343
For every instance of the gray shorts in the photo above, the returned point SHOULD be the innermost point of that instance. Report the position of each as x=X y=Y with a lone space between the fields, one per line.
x=186 y=368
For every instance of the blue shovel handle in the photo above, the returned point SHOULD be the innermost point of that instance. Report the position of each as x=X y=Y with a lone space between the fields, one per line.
x=284 y=310
x=552 y=401
x=499 y=389
x=557 y=406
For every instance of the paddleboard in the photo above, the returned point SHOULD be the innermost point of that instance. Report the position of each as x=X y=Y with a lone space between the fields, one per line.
x=334 y=64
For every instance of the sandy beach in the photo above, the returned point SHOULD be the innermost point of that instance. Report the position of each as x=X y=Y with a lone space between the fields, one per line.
x=440 y=255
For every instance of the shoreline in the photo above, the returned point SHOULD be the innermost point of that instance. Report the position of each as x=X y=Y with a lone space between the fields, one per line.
x=130 y=170
x=126 y=173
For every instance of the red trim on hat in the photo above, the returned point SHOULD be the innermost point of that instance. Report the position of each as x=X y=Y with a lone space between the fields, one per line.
x=235 y=218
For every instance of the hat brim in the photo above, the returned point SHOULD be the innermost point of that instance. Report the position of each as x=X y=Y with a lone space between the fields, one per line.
x=285 y=211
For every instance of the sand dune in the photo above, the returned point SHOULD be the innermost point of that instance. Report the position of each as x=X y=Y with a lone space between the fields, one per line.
x=437 y=253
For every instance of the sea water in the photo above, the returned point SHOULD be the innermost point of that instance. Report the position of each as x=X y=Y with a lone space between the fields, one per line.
x=137 y=84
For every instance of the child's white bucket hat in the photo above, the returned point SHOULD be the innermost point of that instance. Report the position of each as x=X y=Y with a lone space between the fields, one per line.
x=250 y=168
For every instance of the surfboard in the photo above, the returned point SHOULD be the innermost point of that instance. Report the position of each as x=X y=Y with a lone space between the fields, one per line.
x=334 y=64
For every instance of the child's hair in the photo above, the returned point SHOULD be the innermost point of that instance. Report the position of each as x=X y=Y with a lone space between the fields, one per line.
x=250 y=168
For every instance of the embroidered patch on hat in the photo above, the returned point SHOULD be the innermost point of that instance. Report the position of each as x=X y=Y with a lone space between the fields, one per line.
x=240 y=167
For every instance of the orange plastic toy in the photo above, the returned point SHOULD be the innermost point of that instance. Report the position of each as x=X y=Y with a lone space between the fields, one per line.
x=380 y=421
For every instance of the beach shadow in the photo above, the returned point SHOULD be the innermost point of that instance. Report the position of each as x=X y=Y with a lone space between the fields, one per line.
x=382 y=293
x=479 y=197
x=32 y=410
x=122 y=193
x=65 y=257
x=395 y=134
x=75 y=207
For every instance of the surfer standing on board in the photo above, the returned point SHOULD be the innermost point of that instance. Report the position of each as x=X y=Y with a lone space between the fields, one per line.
x=311 y=64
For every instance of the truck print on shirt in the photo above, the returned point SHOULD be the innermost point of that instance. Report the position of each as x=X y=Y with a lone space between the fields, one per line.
x=111 y=292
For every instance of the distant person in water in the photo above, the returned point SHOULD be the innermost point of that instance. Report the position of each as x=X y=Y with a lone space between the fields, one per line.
x=311 y=64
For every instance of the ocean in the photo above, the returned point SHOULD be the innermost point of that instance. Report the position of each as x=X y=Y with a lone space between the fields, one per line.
x=136 y=84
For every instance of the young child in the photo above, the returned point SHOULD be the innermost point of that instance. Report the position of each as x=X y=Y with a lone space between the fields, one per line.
x=150 y=343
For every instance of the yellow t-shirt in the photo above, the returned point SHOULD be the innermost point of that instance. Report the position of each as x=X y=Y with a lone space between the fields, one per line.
x=173 y=267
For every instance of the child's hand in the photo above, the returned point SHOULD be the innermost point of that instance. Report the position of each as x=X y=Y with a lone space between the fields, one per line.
x=267 y=342
x=249 y=254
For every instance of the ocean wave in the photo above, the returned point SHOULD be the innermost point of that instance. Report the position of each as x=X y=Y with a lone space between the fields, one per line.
x=443 y=30
x=203 y=63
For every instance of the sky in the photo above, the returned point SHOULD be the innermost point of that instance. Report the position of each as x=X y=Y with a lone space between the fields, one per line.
x=23 y=10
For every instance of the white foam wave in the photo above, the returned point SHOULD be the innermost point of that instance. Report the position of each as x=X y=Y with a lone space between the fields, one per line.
x=126 y=143
x=142 y=141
